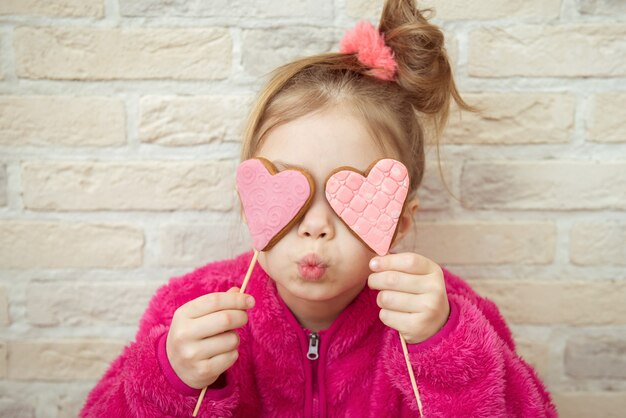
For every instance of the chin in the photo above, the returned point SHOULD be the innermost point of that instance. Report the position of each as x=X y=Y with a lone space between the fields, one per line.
x=313 y=291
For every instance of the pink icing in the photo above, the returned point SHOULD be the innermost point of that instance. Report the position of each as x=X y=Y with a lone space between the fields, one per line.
x=270 y=201
x=370 y=206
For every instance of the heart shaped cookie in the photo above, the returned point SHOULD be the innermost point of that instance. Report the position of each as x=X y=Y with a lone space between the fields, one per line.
x=370 y=203
x=272 y=201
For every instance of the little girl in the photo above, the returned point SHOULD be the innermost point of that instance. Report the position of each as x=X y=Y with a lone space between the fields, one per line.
x=316 y=333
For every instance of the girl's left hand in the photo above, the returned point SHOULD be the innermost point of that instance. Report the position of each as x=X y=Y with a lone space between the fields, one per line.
x=412 y=295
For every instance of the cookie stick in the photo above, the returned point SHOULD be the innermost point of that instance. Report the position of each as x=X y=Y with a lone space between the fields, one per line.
x=383 y=187
x=416 y=392
x=243 y=288
x=272 y=202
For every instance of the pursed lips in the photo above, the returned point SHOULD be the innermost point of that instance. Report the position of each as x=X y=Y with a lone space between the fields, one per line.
x=311 y=267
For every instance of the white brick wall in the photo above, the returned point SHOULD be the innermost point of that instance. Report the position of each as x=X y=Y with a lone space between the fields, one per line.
x=119 y=130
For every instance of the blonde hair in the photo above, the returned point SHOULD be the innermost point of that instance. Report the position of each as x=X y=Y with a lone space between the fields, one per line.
x=401 y=113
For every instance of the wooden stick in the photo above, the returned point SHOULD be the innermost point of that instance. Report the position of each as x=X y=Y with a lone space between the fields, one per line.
x=413 y=383
x=243 y=288
x=200 y=398
x=245 y=281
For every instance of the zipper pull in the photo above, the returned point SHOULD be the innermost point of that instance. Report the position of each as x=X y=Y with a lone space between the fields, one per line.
x=314 y=342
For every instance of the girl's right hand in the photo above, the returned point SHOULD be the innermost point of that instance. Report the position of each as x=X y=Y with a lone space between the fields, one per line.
x=201 y=343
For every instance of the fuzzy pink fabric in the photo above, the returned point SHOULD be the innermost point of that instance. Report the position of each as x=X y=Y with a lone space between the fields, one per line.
x=468 y=369
x=369 y=45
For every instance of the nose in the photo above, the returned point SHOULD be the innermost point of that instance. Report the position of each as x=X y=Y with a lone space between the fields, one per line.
x=317 y=222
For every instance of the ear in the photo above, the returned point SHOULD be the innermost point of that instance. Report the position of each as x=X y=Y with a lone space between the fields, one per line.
x=405 y=223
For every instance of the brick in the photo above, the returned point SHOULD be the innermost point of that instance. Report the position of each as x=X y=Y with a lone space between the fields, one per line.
x=488 y=9
x=557 y=302
x=484 y=243
x=536 y=354
x=458 y=10
x=514 y=118
x=311 y=9
x=265 y=49
x=602 y=7
x=193 y=244
x=594 y=50
x=609 y=404
x=61 y=360
x=71 y=402
x=432 y=193
x=598 y=243
x=154 y=185
x=4 y=307
x=2 y=70
x=3 y=186
x=606 y=123
x=543 y=185
x=56 y=8
x=74 y=53
x=51 y=399
x=11 y=406
x=2 y=42
x=183 y=121
x=61 y=121
x=596 y=357
x=3 y=360
x=364 y=9
x=71 y=303
x=452 y=49
x=48 y=244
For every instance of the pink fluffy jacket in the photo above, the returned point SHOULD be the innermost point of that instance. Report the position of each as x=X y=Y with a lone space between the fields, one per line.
x=355 y=368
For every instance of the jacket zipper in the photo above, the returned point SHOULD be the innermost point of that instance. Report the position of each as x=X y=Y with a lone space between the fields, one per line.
x=313 y=355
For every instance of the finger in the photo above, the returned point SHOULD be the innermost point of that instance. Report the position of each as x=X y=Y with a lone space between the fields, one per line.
x=219 y=301
x=218 y=344
x=217 y=323
x=406 y=262
x=413 y=327
x=403 y=282
x=207 y=348
x=399 y=301
x=401 y=321
x=217 y=365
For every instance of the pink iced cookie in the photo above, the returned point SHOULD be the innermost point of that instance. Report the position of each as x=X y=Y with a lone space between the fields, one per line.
x=370 y=206
x=272 y=201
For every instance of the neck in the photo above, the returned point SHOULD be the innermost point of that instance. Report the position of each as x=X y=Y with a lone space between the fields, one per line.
x=317 y=315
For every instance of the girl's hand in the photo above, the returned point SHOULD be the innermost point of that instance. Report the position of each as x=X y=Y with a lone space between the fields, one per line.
x=201 y=343
x=412 y=295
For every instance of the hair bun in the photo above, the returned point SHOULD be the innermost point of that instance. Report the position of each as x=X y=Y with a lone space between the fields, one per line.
x=424 y=69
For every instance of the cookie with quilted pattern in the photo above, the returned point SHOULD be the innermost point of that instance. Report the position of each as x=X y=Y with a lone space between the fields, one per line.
x=370 y=203
x=272 y=201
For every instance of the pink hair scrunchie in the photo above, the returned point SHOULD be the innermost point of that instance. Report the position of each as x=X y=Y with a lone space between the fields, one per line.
x=369 y=45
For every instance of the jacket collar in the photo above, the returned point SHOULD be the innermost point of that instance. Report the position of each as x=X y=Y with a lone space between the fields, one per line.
x=276 y=329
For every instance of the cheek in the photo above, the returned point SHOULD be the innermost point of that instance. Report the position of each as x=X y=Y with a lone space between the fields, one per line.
x=352 y=248
x=267 y=261
x=262 y=260
x=275 y=259
x=352 y=242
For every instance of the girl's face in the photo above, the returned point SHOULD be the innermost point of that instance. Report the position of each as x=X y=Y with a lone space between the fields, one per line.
x=319 y=143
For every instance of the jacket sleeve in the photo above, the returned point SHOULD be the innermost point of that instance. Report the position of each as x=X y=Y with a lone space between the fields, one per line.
x=469 y=368
x=138 y=385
